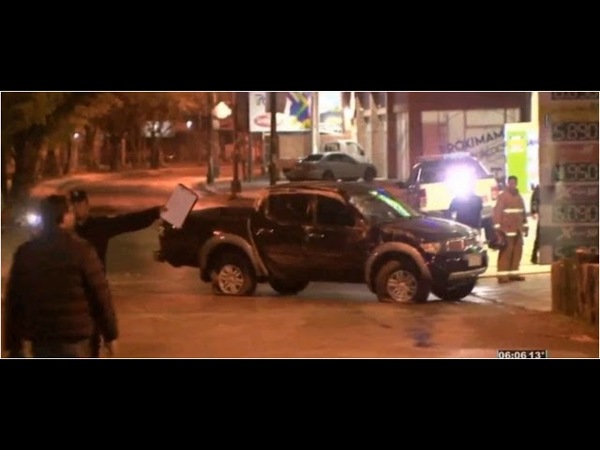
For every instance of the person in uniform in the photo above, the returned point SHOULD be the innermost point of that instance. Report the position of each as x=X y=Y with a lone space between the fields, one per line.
x=510 y=223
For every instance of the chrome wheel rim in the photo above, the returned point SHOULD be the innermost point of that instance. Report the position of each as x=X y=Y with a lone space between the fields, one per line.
x=230 y=279
x=402 y=286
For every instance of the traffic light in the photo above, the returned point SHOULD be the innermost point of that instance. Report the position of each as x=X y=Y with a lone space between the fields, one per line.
x=280 y=102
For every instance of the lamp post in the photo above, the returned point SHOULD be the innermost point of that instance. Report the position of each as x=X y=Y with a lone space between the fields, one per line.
x=210 y=174
x=274 y=144
x=223 y=111
x=236 y=185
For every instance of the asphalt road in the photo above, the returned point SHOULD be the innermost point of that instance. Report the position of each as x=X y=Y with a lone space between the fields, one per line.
x=167 y=312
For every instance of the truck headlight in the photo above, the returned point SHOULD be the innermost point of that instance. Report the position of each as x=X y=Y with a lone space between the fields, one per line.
x=431 y=247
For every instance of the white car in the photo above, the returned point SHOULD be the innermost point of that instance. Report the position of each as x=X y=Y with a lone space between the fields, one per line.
x=331 y=166
x=437 y=179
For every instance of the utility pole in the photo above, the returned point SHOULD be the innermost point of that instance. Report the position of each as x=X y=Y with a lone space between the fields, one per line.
x=236 y=185
x=274 y=141
x=315 y=119
x=210 y=174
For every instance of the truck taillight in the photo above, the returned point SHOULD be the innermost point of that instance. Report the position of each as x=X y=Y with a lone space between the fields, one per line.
x=494 y=193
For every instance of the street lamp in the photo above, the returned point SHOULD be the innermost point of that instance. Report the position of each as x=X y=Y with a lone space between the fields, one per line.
x=223 y=111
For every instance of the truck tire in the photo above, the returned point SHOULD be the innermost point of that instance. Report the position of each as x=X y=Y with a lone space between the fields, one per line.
x=369 y=175
x=401 y=282
x=287 y=287
x=454 y=293
x=232 y=274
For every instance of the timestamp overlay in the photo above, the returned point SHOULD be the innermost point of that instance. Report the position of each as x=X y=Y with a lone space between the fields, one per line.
x=522 y=354
x=568 y=173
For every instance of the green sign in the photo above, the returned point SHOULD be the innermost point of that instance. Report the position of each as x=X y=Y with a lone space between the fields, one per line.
x=518 y=137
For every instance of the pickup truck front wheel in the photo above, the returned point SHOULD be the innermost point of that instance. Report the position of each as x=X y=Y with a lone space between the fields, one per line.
x=232 y=274
x=401 y=282
x=287 y=287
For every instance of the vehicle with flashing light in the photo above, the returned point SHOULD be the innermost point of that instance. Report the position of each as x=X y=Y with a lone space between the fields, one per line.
x=435 y=180
x=344 y=232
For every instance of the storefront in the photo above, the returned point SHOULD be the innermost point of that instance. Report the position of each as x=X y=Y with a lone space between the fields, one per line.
x=396 y=128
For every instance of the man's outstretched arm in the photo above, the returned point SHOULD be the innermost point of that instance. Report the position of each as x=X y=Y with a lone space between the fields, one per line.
x=126 y=223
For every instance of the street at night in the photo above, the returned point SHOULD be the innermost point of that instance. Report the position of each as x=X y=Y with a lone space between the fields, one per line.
x=166 y=312
x=404 y=193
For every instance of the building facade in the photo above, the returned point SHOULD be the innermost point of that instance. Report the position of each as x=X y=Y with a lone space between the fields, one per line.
x=396 y=128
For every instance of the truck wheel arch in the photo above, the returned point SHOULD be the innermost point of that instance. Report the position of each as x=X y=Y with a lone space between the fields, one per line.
x=223 y=241
x=388 y=251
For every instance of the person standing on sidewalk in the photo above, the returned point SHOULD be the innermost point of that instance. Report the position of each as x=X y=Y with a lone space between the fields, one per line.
x=467 y=207
x=58 y=296
x=98 y=230
x=510 y=223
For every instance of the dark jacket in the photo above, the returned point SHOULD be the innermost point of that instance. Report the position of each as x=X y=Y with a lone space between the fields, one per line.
x=98 y=230
x=468 y=210
x=57 y=290
x=535 y=201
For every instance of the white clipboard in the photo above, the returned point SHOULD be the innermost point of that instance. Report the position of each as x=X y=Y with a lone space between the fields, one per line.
x=178 y=207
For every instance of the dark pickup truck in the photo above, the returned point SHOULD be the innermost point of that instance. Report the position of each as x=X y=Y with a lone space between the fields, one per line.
x=330 y=231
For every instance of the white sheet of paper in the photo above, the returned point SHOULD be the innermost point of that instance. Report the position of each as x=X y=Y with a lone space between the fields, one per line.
x=178 y=207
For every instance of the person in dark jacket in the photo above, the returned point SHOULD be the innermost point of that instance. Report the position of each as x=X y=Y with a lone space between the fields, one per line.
x=57 y=295
x=535 y=212
x=467 y=207
x=98 y=230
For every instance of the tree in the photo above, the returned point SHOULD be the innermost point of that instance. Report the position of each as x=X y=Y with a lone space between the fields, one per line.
x=25 y=117
x=139 y=113
x=33 y=120
x=158 y=108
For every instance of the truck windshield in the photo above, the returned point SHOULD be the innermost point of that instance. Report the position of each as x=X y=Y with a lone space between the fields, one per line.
x=378 y=205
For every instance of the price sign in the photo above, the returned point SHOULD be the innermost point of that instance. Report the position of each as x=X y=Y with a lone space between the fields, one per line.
x=575 y=214
x=574 y=131
x=574 y=96
x=575 y=172
x=569 y=167
x=566 y=240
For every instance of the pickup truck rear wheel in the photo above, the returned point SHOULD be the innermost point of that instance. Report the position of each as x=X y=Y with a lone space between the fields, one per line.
x=454 y=293
x=287 y=287
x=232 y=274
x=401 y=282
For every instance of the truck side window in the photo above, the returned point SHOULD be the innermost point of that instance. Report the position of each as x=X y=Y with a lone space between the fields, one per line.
x=289 y=208
x=332 y=212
